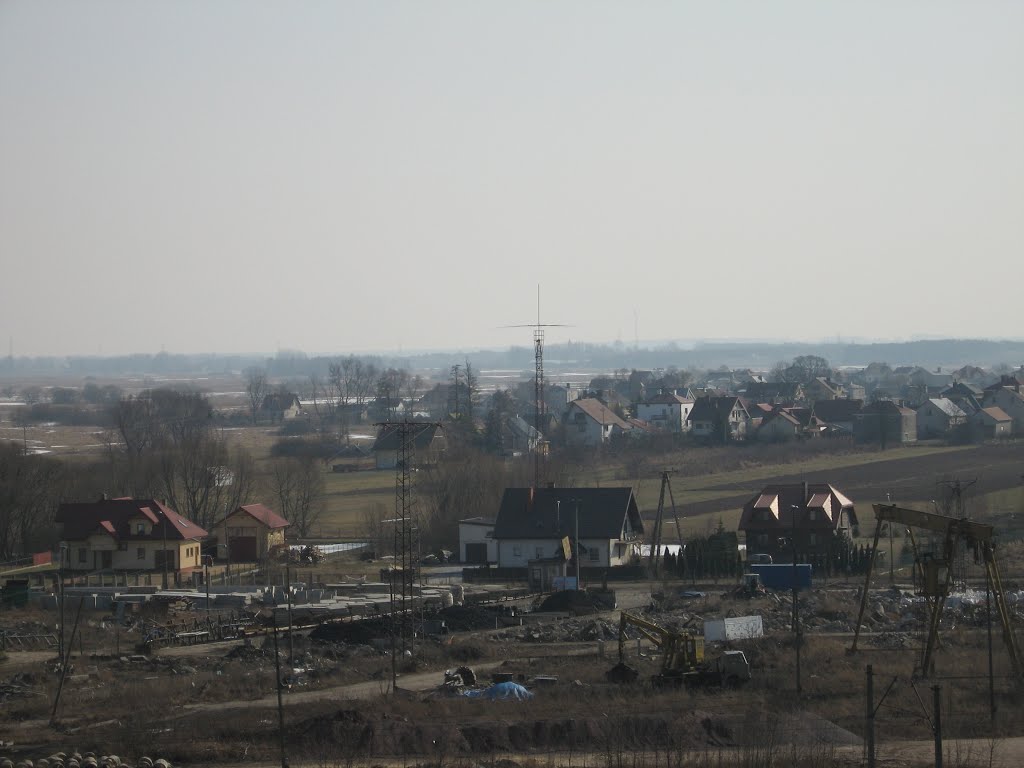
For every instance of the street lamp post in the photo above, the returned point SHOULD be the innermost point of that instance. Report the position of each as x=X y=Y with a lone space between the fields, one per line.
x=206 y=581
x=577 y=548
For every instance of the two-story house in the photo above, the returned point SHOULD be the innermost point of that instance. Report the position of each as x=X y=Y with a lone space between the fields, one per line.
x=719 y=418
x=937 y=417
x=666 y=412
x=128 y=535
x=589 y=422
x=804 y=518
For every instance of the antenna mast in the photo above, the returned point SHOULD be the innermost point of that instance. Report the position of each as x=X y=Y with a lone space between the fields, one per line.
x=538 y=390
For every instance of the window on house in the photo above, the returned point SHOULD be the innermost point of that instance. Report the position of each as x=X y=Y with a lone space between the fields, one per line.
x=538 y=552
x=140 y=528
x=595 y=555
x=517 y=550
x=83 y=555
x=140 y=553
x=812 y=539
x=812 y=515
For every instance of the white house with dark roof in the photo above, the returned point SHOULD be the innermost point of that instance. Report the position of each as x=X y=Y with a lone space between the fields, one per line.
x=666 y=412
x=533 y=522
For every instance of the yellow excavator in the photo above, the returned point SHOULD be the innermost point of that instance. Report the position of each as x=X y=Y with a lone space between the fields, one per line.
x=682 y=658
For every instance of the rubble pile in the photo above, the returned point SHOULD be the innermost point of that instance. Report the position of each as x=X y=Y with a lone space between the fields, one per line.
x=895 y=613
x=82 y=760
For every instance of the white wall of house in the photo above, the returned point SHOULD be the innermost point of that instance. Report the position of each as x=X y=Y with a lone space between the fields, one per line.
x=932 y=421
x=778 y=429
x=1012 y=403
x=477 y=533
x=600 y=553
x=582 y=430
x=670 y=417
x=129 y=555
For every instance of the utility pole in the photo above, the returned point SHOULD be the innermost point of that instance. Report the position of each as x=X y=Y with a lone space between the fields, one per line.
x=60 y=593
x=988 y=622
x=937 y=720
x=869 y=716
x=288 y=596
x=892 y=555
x=280 y=704
x=796 y=597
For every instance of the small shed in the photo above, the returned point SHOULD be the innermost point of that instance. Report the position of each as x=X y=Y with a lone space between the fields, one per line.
x=249 y=533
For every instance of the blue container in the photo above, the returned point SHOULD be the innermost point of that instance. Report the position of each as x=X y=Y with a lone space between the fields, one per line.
x=780 y=576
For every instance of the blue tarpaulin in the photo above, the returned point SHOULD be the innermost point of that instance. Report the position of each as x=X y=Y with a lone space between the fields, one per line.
x=501 y=692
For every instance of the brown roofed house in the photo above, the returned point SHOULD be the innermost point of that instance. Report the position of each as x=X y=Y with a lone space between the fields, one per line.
x=812 y=515
x=250 y=533
x=129 y=535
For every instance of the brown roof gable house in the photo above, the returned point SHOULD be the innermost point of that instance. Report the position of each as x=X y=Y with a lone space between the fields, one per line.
x=590 y=422
x=250 y=533
x=129 y=535
x=814 y=514
x=991 y=423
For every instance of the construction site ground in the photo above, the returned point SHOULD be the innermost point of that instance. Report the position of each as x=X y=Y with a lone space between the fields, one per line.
x=217 y=703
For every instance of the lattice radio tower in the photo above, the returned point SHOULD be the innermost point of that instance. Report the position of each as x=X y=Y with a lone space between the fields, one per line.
x=539 y=405
x=403 y=536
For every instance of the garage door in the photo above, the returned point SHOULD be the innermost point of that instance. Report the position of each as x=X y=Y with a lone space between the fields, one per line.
x=476 y=553
x=243 y=549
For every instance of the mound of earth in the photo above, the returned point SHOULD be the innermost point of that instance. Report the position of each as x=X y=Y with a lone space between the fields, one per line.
x=570 y=601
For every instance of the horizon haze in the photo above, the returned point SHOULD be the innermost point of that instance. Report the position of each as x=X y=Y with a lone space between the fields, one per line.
x=401 y=176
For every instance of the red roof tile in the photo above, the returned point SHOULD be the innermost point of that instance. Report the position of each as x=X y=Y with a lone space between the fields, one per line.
x=265 y=515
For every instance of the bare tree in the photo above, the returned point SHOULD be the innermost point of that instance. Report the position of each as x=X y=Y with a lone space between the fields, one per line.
x=373 y=527
x=256 y=389
x=471 y=390
x=298 y=485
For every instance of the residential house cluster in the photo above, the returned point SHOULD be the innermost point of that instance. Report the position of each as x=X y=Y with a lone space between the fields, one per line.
x=146 y=535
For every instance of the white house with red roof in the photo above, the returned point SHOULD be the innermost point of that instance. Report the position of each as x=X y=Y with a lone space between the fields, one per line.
x=128 y=535
x=249 y=533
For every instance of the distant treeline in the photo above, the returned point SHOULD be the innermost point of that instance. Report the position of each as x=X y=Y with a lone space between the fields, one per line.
x=931 y=354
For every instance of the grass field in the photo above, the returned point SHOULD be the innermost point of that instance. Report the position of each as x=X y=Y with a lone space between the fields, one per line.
x=709 y=484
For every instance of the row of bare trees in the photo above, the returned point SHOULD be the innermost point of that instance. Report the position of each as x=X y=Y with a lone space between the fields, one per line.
x=171 y=447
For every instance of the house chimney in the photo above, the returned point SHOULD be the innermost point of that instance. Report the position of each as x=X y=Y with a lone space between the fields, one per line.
x=806 y=497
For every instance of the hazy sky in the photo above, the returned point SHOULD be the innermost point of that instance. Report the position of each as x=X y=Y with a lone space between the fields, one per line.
x=350 y=176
